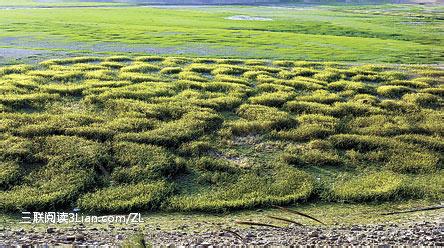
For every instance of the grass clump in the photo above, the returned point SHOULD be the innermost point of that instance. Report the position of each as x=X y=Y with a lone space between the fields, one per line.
x=302 y=107
x=304 y=72
x=100 y=75
x=255 y=62
x=355 y=87
x=128 y=197
x=427 y=186
x=171 y=70
x=393 y=91
x=391 y=75
x=33 y=100
x=375 y=186
x=263 y=79
x=229 y=61
x=312 y=155
x=75 y=150
x=60 y=76
x=268 y=69
x=47 y=189
x=141 y=68
x=259 y=119
x=424 y=100
x=207 y=163
x=354 y=108
x=387 y=153
x=229 y=79
x=196 y=148
x=130 y=124
x=311 y=126
x=409 y=83
x=139 y=77
x=118 y=58
x=224 y=103
x=429 y=142
x=191 y=126
x=286 y=186
x=305 y=84
x=10 y=173
x=328 y=76
x=17 y=149
x=143 y=91
x=150 y=58
x=434 y=91
x=75 y=60
x=413 y=161
x=275 y=99
x=254 y=75
x=192 y=76
x=65 y=89
x=269 y=87
x=398 y=106
x=320 y=96
x=139 y=162
x=231 y=70
x=175 y=61
x=283 y=63
x=383 y=125
x=14 y=69
x=94 y=132
x=112 y=65
x=200 y=68
x=360 y=142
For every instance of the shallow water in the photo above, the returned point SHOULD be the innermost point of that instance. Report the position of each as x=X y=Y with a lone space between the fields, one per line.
x=248 y=18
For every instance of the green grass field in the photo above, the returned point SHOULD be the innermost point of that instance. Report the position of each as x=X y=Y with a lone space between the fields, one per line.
x=372 y=34
x=119 y=134
x=54 y=3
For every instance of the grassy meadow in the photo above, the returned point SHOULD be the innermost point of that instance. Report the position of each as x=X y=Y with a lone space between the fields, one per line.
x=54 y=3
x=372 y=33
x=145 y=133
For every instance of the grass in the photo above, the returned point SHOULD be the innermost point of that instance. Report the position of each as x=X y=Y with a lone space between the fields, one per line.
x=375 y=186
x=48 y=188
x=389 y=34
x=139 y=162
x=311 y=126
x=287 y=186
x=163 y=139
x=123 y=198
x=69 y=3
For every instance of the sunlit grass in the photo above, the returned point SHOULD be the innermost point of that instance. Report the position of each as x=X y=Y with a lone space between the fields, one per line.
x=117 y=134
x=388 y=34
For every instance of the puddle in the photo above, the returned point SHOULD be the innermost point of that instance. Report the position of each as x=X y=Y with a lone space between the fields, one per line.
x=248 y=18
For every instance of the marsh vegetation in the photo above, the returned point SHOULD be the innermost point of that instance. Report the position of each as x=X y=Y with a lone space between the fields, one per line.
x=117 y=134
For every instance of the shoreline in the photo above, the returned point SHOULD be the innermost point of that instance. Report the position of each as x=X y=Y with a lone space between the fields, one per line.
x=346 y=224
x=413 y=234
